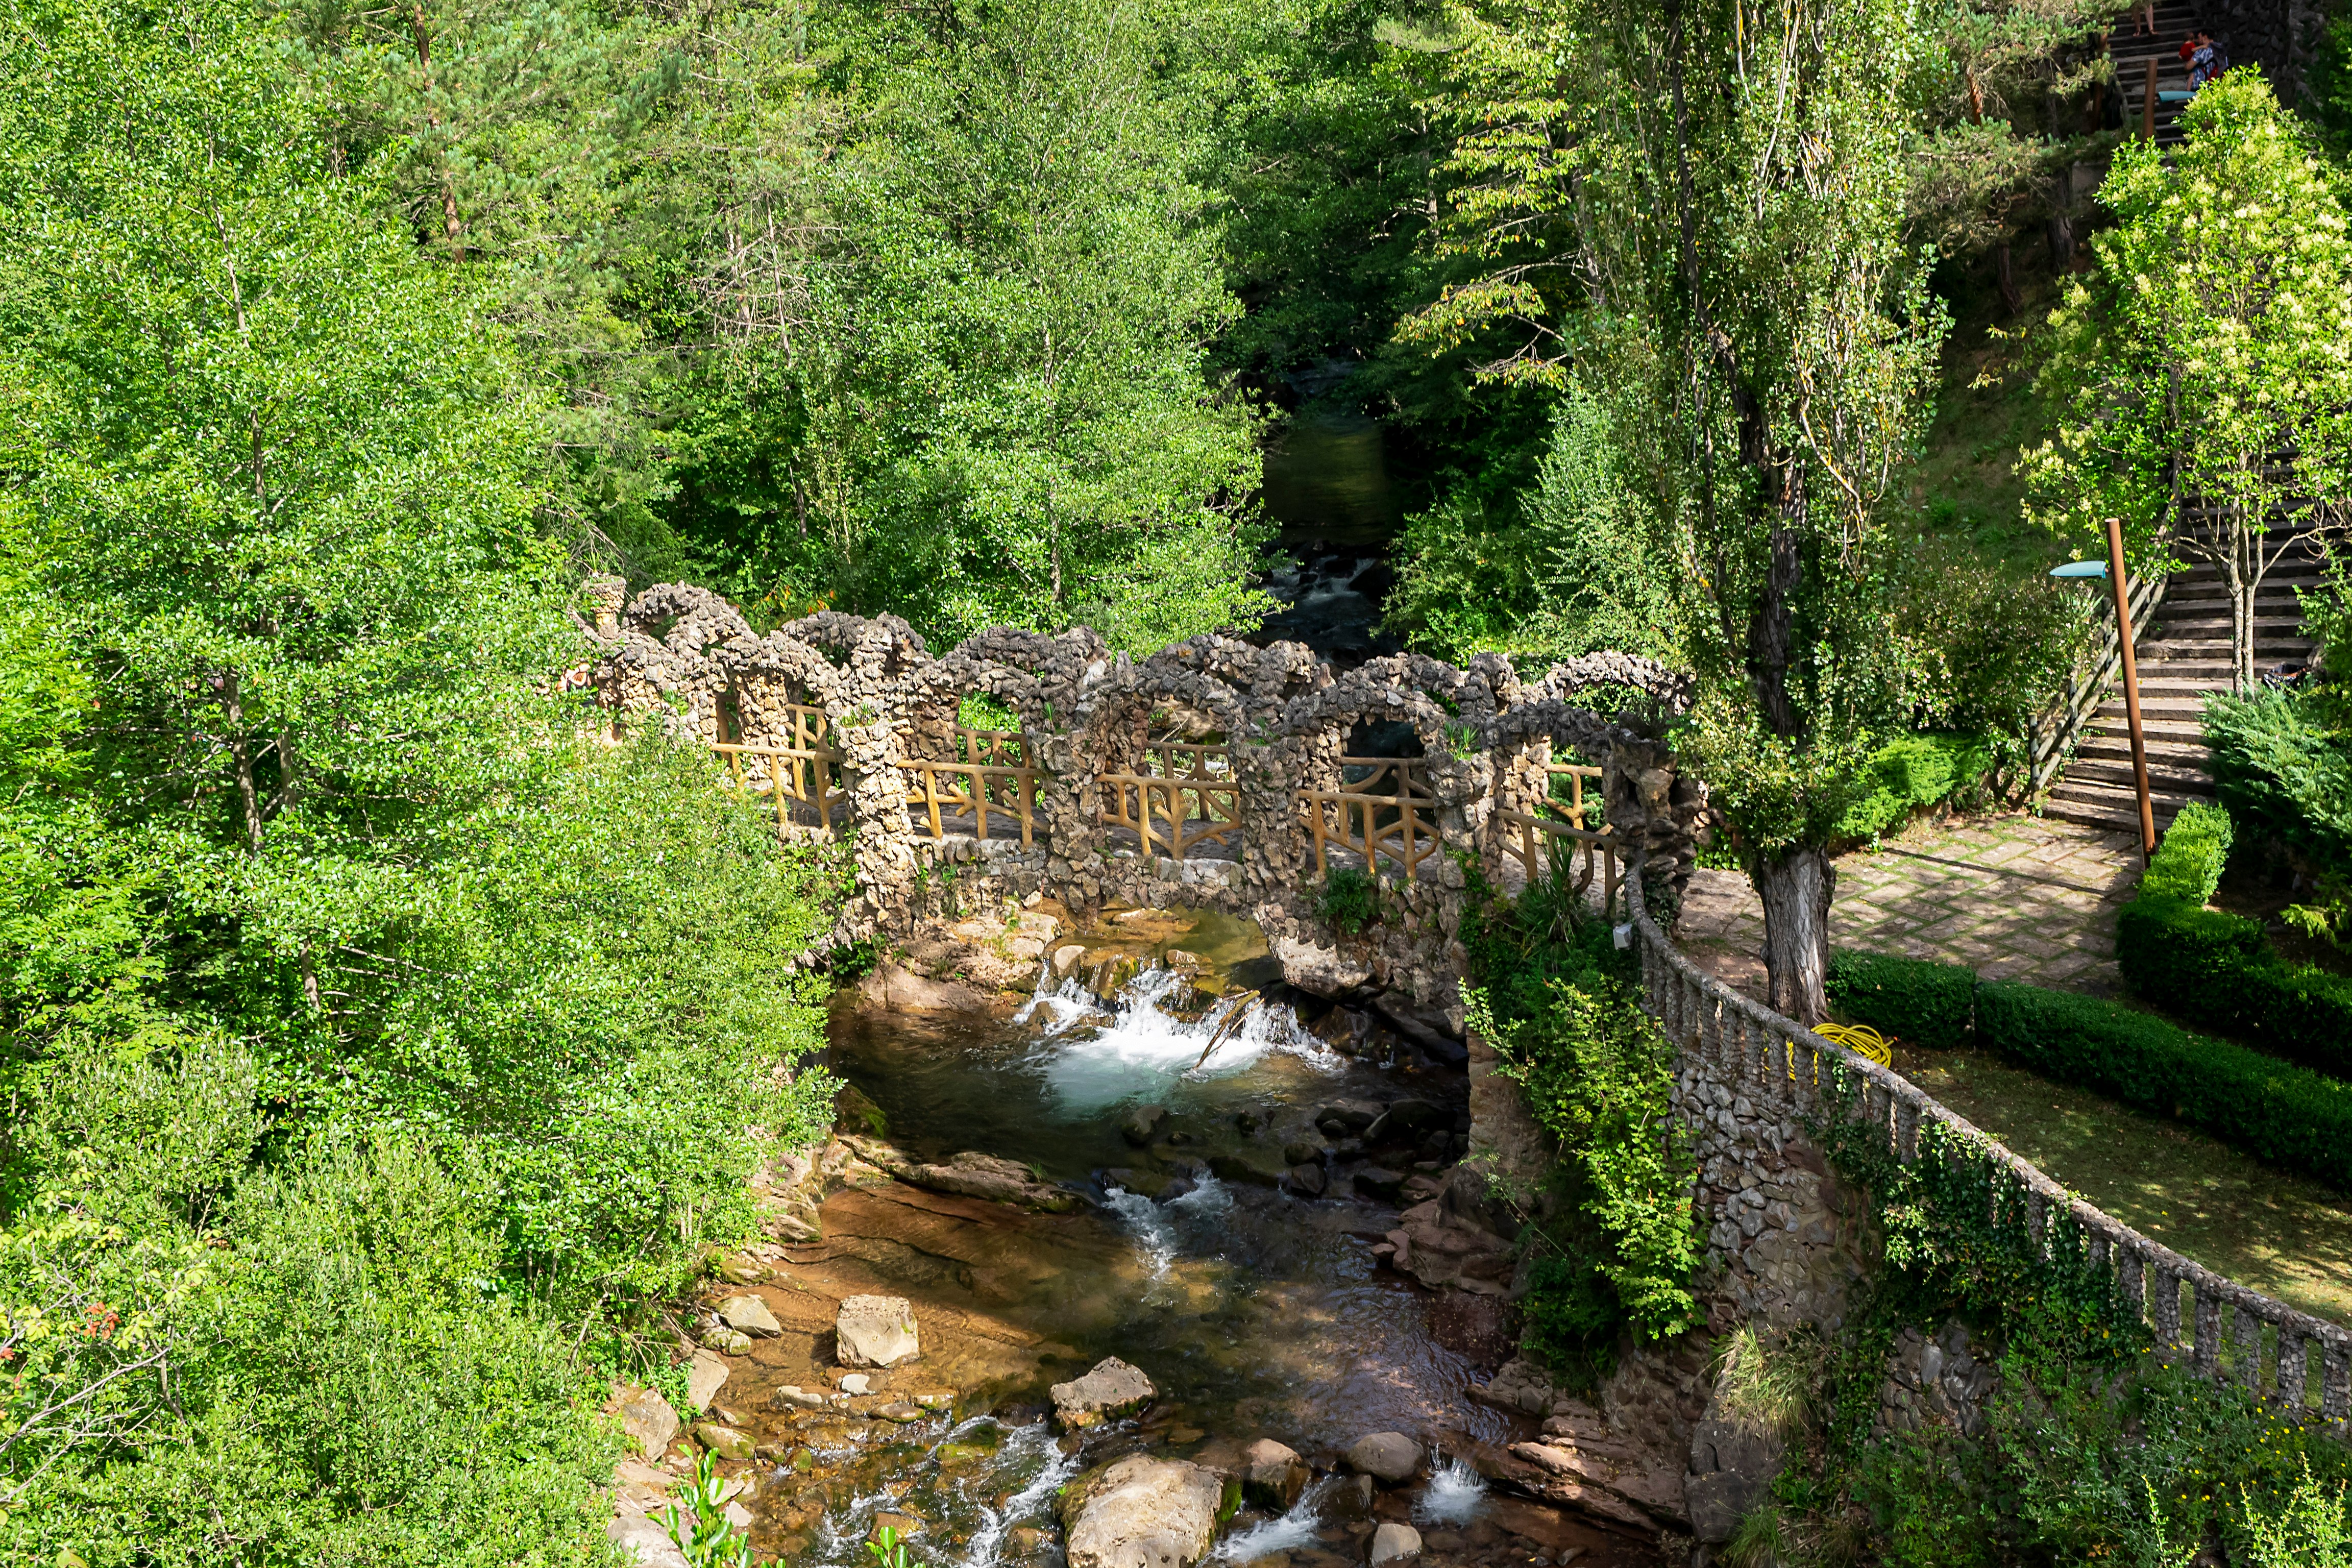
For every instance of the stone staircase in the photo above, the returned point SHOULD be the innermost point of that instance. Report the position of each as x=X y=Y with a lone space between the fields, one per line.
x=2173 y=25
x=2184 y=656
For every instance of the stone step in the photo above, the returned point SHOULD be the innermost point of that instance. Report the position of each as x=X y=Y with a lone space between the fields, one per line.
x=2105 y=806
x=2160 y=780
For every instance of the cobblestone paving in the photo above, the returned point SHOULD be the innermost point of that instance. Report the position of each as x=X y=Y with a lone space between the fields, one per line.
x=2014 y=898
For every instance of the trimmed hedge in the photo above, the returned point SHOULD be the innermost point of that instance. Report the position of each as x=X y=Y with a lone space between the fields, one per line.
x=2294 y=1118
x=2187 y=864
x=1926 y=1002
x=2290 y=1117
x=2217 y=969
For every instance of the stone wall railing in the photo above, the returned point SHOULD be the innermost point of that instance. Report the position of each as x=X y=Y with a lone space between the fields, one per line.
x=1118 y=772
x=2225 y=1331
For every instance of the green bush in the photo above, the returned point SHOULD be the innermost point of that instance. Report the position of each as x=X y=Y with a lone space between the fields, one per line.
x=2187 y=864
x=1922 y=1002
x=1910 y=772
x=1350 y=901
x=2219 y=970
x=2294 y=1118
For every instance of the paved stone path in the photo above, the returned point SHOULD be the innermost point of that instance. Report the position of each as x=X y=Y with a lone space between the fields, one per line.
x=2014 y=898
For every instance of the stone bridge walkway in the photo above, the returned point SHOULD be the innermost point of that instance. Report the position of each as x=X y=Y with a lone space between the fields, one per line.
x=2014 y=898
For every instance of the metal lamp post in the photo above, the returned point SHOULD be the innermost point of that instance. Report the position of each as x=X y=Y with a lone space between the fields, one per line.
x=2113 y=570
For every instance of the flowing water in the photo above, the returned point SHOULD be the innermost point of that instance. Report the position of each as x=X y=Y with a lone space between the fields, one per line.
x=1256 y=1312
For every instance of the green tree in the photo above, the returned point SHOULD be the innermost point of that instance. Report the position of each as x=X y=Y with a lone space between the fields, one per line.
x=2204 y=370
x=1770 y=353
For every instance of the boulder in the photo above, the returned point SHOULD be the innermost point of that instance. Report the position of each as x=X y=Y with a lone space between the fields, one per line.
x=970 y=1174
x=726 y=1340
x=1325 y=972
x=749 y=1315
x=647 y=1418
x=1307 y=1180
x=875 y=1330
x=1111 y=1390
x=792 y=1398
x=724 y=1441
x=1143 y=1124
x=644 y=1543
x=1347 y=1116
x=1066 y=959
x=856 y=1383
x=1271 y=1474
x=1390 y=1458
x=1378 y=1183
x=1405 y=1116
x=1302 y=1153
x=1731 y=1470
x=1392 y=1541
x=1143 y=1512
x=891 y=989
x=703 y=1379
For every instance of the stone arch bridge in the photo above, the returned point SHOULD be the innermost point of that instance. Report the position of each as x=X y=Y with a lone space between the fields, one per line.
x=1214 y=774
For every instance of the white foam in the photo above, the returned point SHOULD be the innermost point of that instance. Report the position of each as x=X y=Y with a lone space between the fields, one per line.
x=1287 y=1533
x=1155 y=1240
x=1456 y=1494
x=1145 y=1047
x=1025 y=1442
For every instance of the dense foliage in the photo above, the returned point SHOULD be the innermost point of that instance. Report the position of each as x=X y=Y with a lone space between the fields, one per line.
x=1615 y=1243
x=374 y=1045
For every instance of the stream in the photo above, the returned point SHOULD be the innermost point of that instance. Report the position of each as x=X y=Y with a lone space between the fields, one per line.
x=1256 y=1312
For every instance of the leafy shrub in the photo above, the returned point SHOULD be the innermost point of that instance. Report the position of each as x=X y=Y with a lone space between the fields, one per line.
x=2278 y=766
x=1913 y=770
x=2290 y=1117
x=1597 y=1073
x=1349 y=901
x=1925 y=1003
x=2187 y=864
x=2219 y=970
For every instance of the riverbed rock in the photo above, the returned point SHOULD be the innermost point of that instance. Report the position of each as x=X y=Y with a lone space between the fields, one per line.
x=749 y=1315
x=1143 y=1124
x=1330 y=972
x=1273 y=1474
x=647 y=1418
x=1307 y=1180
x=1347 y=1116
x=724 y=1441
x=644 y=1543
x=1379 y=1183
x=1731 y=1468
x=875 y=1330
x=1390 y=1458
x=1112 y=1389
x=1392 y=1542
x=1066 y=959
x=970 y=1174
x=791 y=1396
x=891 y=989
x=1405 y=1116
x=704 y=1378
x=1143 y=1512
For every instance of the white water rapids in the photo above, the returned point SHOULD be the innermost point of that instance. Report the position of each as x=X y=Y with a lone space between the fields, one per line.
x=1095 y=1056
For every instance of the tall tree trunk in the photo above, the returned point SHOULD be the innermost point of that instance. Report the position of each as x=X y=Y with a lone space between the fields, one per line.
x=2244 y=545
x=2012 y=301
x=1796 y=889
x=232 y=707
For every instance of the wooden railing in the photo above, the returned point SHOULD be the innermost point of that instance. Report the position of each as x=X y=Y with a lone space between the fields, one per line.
x=1169 y=816
x=1575 y=773
x=1536 y=841
x=2267 y=1347
x=1401 y=826
x=796 y=772
x=1386 y=775
x=974 y=790
x=2054 y=736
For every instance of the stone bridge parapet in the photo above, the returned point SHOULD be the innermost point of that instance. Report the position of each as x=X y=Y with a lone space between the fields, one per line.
x=1214 y=774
